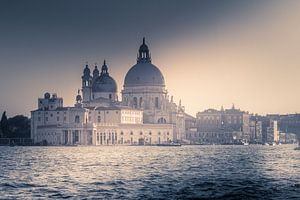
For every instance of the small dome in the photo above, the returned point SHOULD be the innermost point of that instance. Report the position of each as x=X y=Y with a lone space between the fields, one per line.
x=86 y=70
x=86 y=73
x=144 y=74
x=78 y=98
x=47 y=95
x=96 y=72
x=104 y=83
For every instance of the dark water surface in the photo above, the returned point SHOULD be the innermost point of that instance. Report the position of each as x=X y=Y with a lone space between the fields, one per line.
x=116 y=172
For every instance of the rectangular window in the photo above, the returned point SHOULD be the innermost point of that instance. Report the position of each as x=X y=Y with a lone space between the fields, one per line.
x=75 y=136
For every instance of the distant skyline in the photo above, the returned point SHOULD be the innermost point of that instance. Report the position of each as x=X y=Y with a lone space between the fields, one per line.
x=211 y=53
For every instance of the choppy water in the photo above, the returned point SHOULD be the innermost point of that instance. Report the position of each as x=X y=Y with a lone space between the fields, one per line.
x=187 y=172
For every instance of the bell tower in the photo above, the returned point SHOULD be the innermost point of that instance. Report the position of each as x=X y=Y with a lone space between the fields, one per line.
x=86 y=84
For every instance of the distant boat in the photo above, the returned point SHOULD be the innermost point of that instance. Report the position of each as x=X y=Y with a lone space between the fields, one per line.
x=244 y=142
x=266 y=144
x=71 y=145
x=172 y=144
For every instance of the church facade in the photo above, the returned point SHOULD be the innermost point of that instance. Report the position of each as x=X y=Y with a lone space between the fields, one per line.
x=144 y=116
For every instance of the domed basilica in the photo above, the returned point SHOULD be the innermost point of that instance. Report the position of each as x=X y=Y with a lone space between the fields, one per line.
x=145 y=115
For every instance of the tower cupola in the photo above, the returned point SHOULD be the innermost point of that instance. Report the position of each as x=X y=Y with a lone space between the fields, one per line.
x=95 y=72
x=104 y=69
x=86 y=72
x=144 y=53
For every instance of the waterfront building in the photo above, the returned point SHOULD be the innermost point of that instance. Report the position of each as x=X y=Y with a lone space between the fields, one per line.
x=222 y=126
x=287 y=123
x=288 y=138
x=272 y=132
x=255 y=131
x=145 y=115
x=190 y=128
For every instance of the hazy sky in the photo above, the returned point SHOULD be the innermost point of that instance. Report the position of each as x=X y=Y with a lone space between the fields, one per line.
x=211 y=53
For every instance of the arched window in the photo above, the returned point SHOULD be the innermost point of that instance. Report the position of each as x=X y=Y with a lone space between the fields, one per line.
x=135 y=102
x=156 y=102
x=77 y=119
x=99 y=119
x=162 y=120
x=140 y=103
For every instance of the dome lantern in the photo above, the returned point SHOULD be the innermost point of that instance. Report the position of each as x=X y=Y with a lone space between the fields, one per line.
x=144 y=73
x=144 y=55
x=104 y=69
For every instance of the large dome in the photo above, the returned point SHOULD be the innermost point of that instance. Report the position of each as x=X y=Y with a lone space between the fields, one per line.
x=144 y=74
